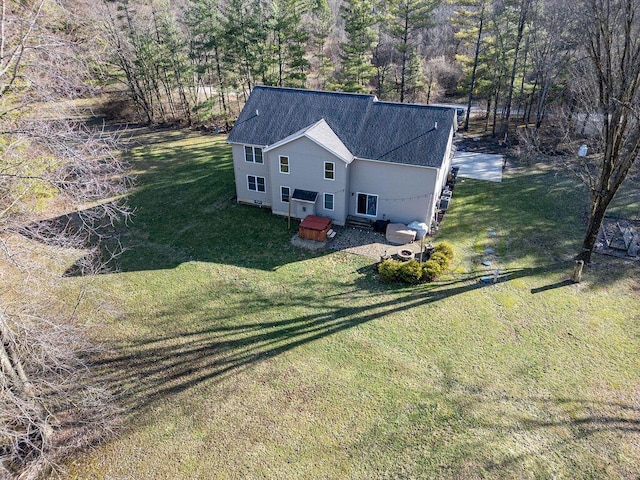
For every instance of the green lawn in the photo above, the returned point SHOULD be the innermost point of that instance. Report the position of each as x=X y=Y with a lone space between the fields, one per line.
x=238 y=356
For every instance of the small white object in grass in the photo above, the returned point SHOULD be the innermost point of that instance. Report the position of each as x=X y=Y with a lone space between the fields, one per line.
x=582 y=151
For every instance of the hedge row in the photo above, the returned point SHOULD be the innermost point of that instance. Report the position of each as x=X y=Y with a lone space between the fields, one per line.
x=414 y=272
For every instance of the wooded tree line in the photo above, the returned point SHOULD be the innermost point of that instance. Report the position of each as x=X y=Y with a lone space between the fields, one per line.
x=195 y=60
x=200 y=58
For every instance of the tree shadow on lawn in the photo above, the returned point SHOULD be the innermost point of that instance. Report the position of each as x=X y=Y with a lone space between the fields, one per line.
x=153 y=369
x=185 y=210
x=539 y=433
x=150 y=369
x=576 y=422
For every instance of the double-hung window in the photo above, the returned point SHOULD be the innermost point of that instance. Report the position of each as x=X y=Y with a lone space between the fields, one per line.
x=256 y=184
x=328 y=201
x=285 y=192
x=253 y=154
x=284 y=164
x=329 y=171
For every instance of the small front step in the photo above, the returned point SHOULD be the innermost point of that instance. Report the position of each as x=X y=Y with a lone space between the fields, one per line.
x=359 y=222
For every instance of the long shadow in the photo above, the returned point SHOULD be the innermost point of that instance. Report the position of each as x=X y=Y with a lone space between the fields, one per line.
x=152 y=368
x=566 y=425
x=185 y=210
x=553 y=286
x=624 y=419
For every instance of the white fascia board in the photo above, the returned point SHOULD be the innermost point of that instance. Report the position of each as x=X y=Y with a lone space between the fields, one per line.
x=263 y=147
x=321 y=126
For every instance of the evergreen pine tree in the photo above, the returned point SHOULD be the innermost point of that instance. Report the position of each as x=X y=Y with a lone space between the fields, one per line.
x=357 y=66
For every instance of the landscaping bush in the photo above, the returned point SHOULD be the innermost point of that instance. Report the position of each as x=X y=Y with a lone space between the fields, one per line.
x=410 y=272
x=441 y=259
x=388 y=270
x=431 y=270
x=445 y=248
x=413 y=272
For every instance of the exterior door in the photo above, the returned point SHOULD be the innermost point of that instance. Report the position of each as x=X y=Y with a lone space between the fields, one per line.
x=367 y=204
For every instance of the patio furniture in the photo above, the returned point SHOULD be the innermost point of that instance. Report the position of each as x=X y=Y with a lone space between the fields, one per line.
x=399 y=234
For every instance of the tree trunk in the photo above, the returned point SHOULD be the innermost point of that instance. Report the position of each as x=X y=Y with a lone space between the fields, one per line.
x=34 y=418
x=473 y=71
x=220 y=81
x=598 y=210
x=521 y=25
x=405 y=47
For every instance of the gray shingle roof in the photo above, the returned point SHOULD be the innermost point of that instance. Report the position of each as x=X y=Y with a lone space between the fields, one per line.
x=391 y=132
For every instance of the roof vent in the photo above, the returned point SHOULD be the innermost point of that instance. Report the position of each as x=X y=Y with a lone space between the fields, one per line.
x=435 y=127
x=257 y=112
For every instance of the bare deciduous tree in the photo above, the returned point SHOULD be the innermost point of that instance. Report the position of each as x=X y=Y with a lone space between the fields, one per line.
x=607 y=89
x=48 y=164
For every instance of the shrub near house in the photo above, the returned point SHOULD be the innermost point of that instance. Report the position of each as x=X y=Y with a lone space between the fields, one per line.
x=413 y=272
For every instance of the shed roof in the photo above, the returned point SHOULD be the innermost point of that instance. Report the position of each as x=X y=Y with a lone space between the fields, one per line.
x=367 y=128
x=304 y=195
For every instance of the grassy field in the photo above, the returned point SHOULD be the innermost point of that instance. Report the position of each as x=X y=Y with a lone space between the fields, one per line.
x=238 y=356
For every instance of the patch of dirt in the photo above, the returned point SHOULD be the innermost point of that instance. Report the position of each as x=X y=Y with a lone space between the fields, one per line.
x=481 y=143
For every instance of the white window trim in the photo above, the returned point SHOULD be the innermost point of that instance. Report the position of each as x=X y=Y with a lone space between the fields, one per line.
x=333 y=202
x=332 y=171
x=256 y=177
x=289 y=195
x=368 y=195
x=280 y=164
x=253 y=154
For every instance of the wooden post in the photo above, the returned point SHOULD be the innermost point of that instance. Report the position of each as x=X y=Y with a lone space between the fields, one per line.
x=577 y=271
x=289 y=216
x=422 y=248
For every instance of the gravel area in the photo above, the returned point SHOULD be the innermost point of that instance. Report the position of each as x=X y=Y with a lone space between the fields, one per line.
x=359 y=242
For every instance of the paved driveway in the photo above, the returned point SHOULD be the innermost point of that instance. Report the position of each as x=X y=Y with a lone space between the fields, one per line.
x=479 y=166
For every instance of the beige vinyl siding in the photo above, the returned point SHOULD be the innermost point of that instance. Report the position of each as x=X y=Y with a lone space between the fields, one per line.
x=242 y=169
x=405 y=193
x=306 y=172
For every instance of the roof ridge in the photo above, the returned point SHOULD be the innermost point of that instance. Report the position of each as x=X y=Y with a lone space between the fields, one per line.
x=313 y=91
x=361 y=124
x=414 y=105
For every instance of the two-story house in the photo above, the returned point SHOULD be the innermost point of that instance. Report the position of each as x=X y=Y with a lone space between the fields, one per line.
x=302 y=152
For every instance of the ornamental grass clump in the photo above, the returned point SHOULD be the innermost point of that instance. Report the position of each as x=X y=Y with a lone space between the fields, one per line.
x=440 y=259
x=431 y=270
